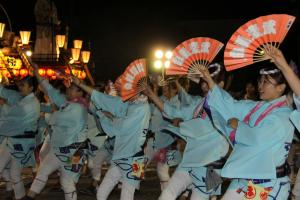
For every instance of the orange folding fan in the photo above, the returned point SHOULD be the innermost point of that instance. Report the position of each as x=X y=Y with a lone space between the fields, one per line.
x=133 y=80
x=251 y=41
x=193 y=53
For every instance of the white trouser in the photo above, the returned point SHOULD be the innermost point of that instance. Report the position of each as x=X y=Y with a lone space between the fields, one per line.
x=163 y=174
x=98 y=160
x=50 y=164
x=233 y=195
x=162 y=168
x=44 y=150
x=178 y=183
x=112 y=177
x=14 y=171
x=6 y=177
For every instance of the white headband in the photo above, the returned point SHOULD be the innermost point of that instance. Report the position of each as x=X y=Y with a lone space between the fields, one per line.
x=218 y=69
x=265 y=71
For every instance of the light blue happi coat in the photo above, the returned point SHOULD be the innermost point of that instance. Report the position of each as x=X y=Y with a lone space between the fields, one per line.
x=157 y=122
x=130 y=124
x=258 y=149
x=68 y=125
x=129 y=127
x=199 y=134
x=20 y=115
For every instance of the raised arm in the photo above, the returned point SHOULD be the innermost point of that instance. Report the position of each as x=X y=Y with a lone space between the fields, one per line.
x=278 y=58
x=55 y=96
x=84 y=87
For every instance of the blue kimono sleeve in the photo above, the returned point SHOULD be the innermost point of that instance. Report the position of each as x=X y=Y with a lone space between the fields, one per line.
x=16 y=119
x=221 y=101
x=184 y=112
x=109 y=103
x=55 y=96
x=11 y=96
x=134 y=120
x=271 y=128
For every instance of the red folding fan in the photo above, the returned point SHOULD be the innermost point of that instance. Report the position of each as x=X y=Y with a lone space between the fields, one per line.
x=133 y=80
x=252 y=40
x=192 y=54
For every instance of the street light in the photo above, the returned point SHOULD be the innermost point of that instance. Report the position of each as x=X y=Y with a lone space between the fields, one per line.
x=162 y=61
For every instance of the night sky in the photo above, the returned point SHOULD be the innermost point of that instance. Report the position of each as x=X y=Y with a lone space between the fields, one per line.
x=121 y=32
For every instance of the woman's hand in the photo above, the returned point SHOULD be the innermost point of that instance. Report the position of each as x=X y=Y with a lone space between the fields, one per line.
x=278 y=58
x=206 y=76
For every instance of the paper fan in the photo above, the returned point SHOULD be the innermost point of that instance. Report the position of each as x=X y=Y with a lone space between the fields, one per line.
x=133 y=80
x=191 y=54
x=253 y=39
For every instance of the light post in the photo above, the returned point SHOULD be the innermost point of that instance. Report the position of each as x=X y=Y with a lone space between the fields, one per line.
x=162 y=61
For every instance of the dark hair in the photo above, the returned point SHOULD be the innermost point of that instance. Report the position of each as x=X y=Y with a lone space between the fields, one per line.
x=279 y=79
x=32 y=82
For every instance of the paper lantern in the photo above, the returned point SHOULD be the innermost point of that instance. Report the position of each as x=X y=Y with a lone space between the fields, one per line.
x=60 y=40
x=16 y=72
x=85 y=55
x=42 y=72
x=2 y=27
x=25 y=36
x=23 y=72
x=6 y=73
x=75 y=53
x=50 y=72
x=77 y=44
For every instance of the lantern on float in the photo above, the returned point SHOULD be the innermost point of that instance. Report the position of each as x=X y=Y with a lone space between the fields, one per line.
x=50 y=72
x=16 y=72
x=23 y=72
x=83 y=75
x=42 y=72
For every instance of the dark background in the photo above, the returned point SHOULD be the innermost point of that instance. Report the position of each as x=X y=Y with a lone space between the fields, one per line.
x=118 y=33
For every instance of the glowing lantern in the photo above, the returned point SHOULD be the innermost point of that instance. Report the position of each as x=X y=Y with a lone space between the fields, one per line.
x=2 y=27
x=75 y=53
x=16 y=72
x=50 y=72
x=67 y=71
x=23 y=72
x=74 y=72
x=85 y=55
x=53 y=77
x=77 y=44
x=60 y=40
x=42 y=72
x=6 y=73
x=83 y=75
x=25 y=35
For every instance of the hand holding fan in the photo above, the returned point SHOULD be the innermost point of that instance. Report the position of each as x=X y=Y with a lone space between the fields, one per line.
x=191 y=54
x=111 y=89
x=253 y=41
x=133 y=80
